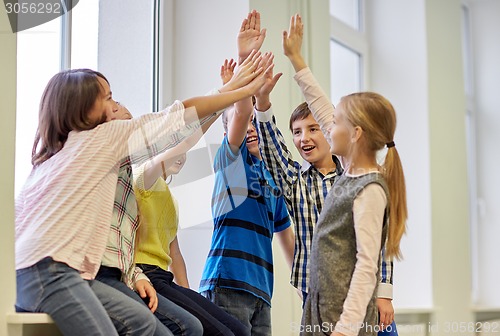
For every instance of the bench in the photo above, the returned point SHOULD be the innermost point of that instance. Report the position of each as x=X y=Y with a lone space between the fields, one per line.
x=31 y=324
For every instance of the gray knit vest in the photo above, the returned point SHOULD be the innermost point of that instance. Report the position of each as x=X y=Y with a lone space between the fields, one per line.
x=333 y=258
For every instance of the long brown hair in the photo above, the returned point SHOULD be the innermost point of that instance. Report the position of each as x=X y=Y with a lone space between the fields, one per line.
x=64 y=107
x=377 y=118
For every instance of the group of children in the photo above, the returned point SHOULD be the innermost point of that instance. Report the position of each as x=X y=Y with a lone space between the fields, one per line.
x=96 y=224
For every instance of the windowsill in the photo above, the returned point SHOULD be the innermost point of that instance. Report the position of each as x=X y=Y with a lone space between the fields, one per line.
x=484 y=313
x=422 y=315
x=413 y=315
x=29 y=318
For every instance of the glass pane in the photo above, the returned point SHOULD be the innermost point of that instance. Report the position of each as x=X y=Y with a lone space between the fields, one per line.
x=84 y=34
x=345 y=66
x=125 y=52
x=38 y=59
x=346 y=11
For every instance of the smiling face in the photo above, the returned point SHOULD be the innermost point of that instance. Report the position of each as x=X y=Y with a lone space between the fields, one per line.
x=309 y=140
x=104 y=106
x=252 y=140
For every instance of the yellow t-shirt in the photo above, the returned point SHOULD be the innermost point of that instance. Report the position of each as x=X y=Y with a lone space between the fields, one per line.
x=159 y=220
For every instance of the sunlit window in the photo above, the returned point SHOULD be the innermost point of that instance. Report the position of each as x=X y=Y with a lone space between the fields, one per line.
x=345 y=71
x=347 y=11
x=38 y=59
x=84 y=34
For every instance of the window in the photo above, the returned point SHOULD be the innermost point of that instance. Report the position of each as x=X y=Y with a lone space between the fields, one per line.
x=347 y=11
x=345 y=71
x=84 y=34
x=348 y=49
x=38 y=59
x=114 y=37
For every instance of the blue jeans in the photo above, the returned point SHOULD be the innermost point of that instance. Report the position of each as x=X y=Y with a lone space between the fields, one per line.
x=176 y=319
x=77 y=306
x=215 y=321
x=250 y=310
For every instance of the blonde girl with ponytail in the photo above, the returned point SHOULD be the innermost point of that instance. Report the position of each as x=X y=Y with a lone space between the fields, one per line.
x=365 y=209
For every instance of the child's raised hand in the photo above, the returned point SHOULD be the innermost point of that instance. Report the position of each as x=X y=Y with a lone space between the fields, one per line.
x=264 y=71
x=245 y=72
x=269 y=80
x=250 y=36
x=292 y=40
x=227 y=71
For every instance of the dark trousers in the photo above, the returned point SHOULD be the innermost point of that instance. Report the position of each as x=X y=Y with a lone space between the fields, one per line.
x=215 y=321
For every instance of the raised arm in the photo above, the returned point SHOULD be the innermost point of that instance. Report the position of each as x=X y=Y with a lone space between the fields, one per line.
x=238 y=124
x=153 y=168
x=250 y=36
x=292 y=43
x=247 y=80
x=318 y=102
x=274 y=151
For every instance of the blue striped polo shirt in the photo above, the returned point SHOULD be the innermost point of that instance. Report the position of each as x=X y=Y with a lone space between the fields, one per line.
x=247 y=208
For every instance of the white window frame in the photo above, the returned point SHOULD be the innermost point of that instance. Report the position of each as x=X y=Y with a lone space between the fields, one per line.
x=355 y=40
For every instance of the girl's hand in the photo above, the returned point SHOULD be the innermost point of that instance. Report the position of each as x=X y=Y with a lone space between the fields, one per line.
x=292 y=41
x=269 y=84
x=266 y=71
x=227 y=71
x=250 y=37
x=245 y=72
x=146 y=290
x=386 y=312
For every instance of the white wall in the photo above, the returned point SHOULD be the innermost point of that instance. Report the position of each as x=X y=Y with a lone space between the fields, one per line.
x=398 y=70
x=485 y=35
x=416 y=61
x=7 y=145
x=449 y=189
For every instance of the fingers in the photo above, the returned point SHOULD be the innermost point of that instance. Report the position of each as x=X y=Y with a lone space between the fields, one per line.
x=256 y=20
x=385 y=320
x=284 y=39
x=232 y=65
x=250 y=58
x=296 y=26
x=300 y=25
x=266 y=60
x=153 y=301
x=141 y=291
x=276 y=78
x=243 y=25
x=262 y=35
x=292 y=23
x=252 y=61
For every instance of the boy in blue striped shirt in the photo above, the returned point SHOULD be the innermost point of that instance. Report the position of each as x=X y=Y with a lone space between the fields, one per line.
x=247 y=209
